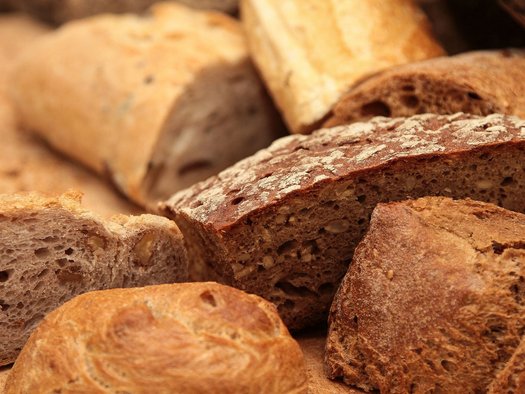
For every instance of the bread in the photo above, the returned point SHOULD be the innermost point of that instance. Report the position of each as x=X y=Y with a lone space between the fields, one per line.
x=312 y=344
x=51 y=250
x=310 y=52
x=433 y=300
x=4 y=373
x=516 y=8
x=284 y=223
x=177 y=98
x=60 y=11
x=184 y=338
x=481 y=83
x=27 y=164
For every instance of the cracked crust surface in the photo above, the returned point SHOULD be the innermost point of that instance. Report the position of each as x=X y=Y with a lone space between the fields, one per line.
x=434 y=300
x=184 y=338
x=284 y=223
x=51 y=249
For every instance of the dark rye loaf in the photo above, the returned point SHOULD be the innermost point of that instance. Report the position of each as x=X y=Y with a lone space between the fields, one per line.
x=434 y=301
x=479 y=83
x=284 y=223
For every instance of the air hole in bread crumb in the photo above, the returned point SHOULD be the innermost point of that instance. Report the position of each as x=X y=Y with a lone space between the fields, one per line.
x=4 y=275
x=42 y=252
x=447 y=365
x=287 y=246
x=410 y=101
x=508 y=180
x=376 y=108
x=3 y=306
x=237 y=200
x=68 y=251
x=473 y=96
x=408 y=88
x=361 y=199
x=208 y=298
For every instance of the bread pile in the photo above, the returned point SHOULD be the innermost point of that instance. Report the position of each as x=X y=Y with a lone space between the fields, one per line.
x=394 y=213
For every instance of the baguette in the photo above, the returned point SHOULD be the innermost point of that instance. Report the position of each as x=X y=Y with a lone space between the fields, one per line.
x=156 y=104
x=284 y=223
x=309 y=52
x=52 y=250
x=480 y=83
x=184 y=338
x=433 y=301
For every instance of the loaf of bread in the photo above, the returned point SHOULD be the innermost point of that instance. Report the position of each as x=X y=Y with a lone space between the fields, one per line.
x=310 y=52
x=51 y=250
x=480 y=83
x=156 y=103
x=284 y=223
x=187 y=338
x=60 y=11
x=434 y=301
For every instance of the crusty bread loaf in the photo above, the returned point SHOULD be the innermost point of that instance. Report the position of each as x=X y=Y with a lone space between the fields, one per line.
x=480 y=83
x=284 y=223
x=51 y=250
x=310 y=52
x=187 y=338
x=60 y=11
x=434 y=300
x=156 y=103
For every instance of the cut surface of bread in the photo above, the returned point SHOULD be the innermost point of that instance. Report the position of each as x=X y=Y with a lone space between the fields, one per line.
x=480 y=83
x=309 y=52
x=284 y=223
x=60 y=11
x=184 y=338
x=51 y=250
x=434 y=301
x=158 y=103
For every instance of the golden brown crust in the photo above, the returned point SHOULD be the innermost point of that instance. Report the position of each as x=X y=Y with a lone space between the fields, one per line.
x=433 y=299
x=185 y=338
x=310 y=52
x=142 y=75
x=480 y=83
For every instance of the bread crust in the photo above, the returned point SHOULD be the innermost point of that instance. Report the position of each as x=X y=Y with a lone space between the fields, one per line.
x=284 y=223
x=184 y=338
x=432 y=299
x=310 y=52
x=143 y=75
x=480 y=83
x=52 y=249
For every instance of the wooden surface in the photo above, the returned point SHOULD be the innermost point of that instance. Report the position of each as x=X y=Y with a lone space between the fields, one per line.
x=312 y=344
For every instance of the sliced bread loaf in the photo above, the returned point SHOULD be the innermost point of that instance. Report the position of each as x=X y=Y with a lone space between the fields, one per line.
x=51 y=250
x=284 y=223
x=480 y=83
x=434 y=301
x=158 y=103
x=189 y=338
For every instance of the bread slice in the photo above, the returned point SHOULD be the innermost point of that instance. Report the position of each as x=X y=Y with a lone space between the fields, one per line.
x=434 y=300
x=284 y=223
x=181 y=338
x=51 y=250
x=480 y=83
x=177 y=98
x=310 y=52
x=60 y=11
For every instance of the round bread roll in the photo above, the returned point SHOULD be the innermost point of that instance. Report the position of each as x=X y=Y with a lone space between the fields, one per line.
x=183 y=338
